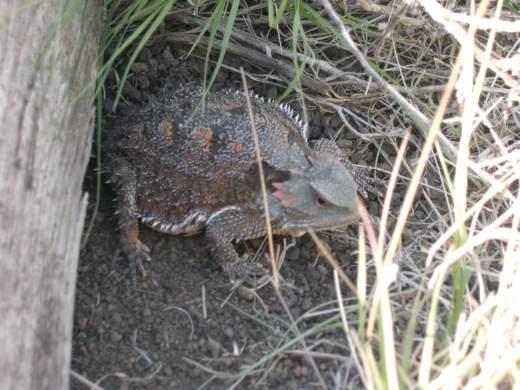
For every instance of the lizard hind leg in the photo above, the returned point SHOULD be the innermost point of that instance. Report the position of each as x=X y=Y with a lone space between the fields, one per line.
x=124 y=179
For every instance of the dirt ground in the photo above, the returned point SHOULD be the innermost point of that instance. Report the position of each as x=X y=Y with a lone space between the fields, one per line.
x=183 y=327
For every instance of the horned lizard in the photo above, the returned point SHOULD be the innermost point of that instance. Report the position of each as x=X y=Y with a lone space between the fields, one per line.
x=182 y=169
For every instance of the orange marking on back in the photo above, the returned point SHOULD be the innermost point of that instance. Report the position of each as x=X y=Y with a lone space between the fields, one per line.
x=167 y=129
x=237 y=147
x=206 y=135
x=260 y=120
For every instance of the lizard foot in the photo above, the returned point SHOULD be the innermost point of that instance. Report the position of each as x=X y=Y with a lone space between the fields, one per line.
x=246 y=270
x=137 y=253
x=366 y=183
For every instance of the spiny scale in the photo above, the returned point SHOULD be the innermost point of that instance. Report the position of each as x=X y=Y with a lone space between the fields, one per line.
x=286 y=109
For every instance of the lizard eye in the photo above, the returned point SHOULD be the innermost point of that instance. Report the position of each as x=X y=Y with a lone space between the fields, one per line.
x=322 y=201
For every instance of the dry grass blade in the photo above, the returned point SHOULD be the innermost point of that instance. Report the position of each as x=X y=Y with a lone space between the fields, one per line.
x=269 y=228
x=327 y=256
x=346 y=329
x=418 y=117
x=441 y=14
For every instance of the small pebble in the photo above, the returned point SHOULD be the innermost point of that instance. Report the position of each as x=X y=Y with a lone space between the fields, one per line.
x=350 y=135
x=307 y=304
x=214 y=347
x=386 y=166
x=82 y=323
x=144 y=55
x=345 y=144
x=195 y=373
x=373 y=207
x=420 y=215
x=389 y=149
x=282 y=371
x=92 y=346
x=294 y=253
x=322 y=269
x=312 y=273
x=356 y=157
x=227 y=362
x=116 y=318
x=221 y=77
x=144 y=83
x=108 y=105
x=140 y=67
x=163 y=69
x=245 y=293
x=335 y=122
x=116 y=337
x=167 y=55
x=132 y=92
x=82 y=336
x=154 y=64
x=100 y=217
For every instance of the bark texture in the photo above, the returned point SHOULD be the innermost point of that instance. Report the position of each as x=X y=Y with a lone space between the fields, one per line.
x=48 y=53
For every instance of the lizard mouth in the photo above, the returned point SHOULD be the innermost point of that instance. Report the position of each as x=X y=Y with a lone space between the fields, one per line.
x=299 y=227
x=297 y=232
x=300 y=231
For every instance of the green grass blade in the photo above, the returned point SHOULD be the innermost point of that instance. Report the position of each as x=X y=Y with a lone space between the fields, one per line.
x=270 y=13
x=225 y=41
x=154 y=20
x=214 y=22
x=279 y=14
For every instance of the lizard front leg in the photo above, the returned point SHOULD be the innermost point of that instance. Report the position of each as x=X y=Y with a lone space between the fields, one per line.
x=124 y=177
x=229 y=225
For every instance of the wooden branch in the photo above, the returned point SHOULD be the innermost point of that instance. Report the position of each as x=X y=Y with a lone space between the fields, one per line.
x=258 y=58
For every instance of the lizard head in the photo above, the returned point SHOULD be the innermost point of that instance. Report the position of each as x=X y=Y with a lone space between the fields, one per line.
x=320 y=196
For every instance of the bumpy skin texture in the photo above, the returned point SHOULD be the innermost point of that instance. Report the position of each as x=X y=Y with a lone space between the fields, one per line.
x=182 y=168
